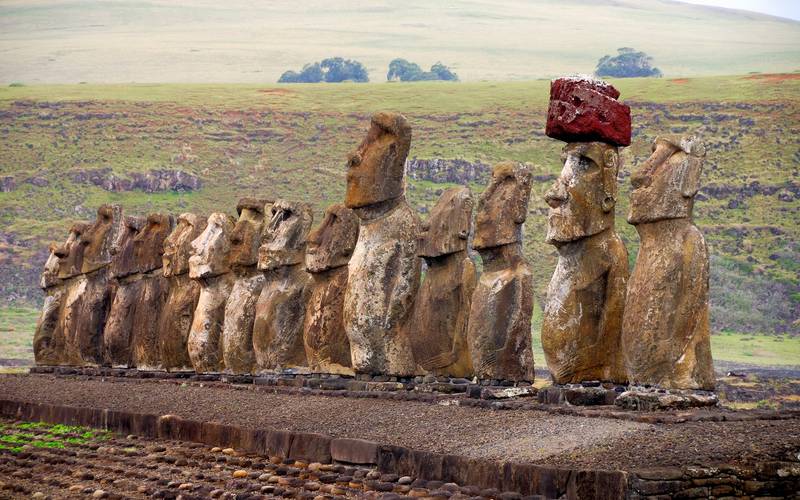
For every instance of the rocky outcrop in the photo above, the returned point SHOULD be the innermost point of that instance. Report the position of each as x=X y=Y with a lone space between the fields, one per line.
x=153 y=181
x=448 y=170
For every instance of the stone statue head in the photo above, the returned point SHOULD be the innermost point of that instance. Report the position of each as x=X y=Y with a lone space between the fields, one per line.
x=503 y=206
x=376 y=169
x=123 y=260
x=582 y=199
x=285 y=236
x=178 y=245
x=210 y=250
x=665 y=185
x=50 y=272
x=247 y=233
x=447 y=228
x=70 y=253
x=149 y=243
x=99 y=237
x=332 y=243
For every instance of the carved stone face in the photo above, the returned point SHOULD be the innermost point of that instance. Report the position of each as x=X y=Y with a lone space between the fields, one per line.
x=582 y=199
x=246 y=236
x=178 y=245
x=376 y=170
x=285 y=236
x=50 y=273
x=503 y=206
x=149 y=243
x=123 y=259
x=100 y=236
x=332 y=243
x=70 y=253
x=447 y=229
x=210 y=250
x=665 y=185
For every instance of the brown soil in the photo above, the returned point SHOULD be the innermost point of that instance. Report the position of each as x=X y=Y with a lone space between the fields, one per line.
x=518 y=435
x=775 y=77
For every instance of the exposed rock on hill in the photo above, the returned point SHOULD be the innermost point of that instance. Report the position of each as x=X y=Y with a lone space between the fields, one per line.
x=441 y=170
x=151 y=182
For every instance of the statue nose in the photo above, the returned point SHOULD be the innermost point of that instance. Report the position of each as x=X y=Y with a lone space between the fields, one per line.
x=556 y=195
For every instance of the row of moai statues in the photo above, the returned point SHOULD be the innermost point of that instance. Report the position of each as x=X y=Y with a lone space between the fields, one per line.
x=264 y=294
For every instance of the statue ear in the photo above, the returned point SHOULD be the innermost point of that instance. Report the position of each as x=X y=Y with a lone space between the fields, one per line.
x=610 y=167
x=690 y=175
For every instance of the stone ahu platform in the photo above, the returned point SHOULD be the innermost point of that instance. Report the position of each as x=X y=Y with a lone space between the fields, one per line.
x=445 y=445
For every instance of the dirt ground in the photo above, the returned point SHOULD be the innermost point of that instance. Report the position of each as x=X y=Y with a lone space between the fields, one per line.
x=516 y=435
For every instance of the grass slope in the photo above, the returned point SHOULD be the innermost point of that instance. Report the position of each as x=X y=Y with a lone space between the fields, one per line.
x=292 y=141
x=62 y=41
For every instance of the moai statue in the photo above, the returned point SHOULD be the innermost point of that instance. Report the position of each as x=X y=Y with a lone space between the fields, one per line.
x=499 y=332
x=665 y=331
x=327 y=254
x=85 y=337
x=70 y=262
x=125 y=282
x=45 y=349
x=176 y=316
x=438 y=327
x=240 y=310
x=384 y=269
x=209 y=265
x=148 y=251
x=281 y=307
x=585 y=300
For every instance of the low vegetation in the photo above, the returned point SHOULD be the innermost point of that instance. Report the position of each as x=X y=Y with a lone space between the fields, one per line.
x=15 y=436
x=628 y=63
x=405 y=71
x=331 y=70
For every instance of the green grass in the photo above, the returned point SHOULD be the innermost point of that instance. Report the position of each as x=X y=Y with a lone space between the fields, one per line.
x=13 y=437
x=291 y=142
x=17 y=325
x=770 y=350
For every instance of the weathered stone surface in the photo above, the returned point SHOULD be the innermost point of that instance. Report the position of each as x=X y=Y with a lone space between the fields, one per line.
x=45 y=350
x=376 y=169
x=502 y=304
x=327 y=254
x=149 y=242
x=438 y=326
x=642 y=399
x=123 y=260
x=125 y=294
x=117 y=334
x=209 y=265
x=584 y=109
x=280 y=310
x=153 y=293
x=586 y=297
x=237 y=333
x=176 y=316
x=665 y=331
x=384 y=269
x=85 y=335
x=149 y=250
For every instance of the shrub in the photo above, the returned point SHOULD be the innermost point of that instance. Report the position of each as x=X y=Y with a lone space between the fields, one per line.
x=406 y=71
x=331 y=70
x=628 y=63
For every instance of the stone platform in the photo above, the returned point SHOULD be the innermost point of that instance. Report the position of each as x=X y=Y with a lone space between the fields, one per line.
x=526 y=450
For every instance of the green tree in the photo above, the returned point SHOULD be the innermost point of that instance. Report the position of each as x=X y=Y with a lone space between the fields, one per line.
x=406 y=71
x=628 y=63
x=331 y=70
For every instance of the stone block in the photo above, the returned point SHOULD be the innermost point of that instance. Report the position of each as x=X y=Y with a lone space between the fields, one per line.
x=310 y=446
x=279 y=443
x=587 y=110
x=354 y=451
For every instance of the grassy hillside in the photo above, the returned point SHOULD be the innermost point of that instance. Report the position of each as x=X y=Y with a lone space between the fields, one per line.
x=292 y=141
x=63 y=41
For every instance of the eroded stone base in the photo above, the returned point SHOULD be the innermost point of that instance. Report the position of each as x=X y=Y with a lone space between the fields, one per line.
x=651 y=399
